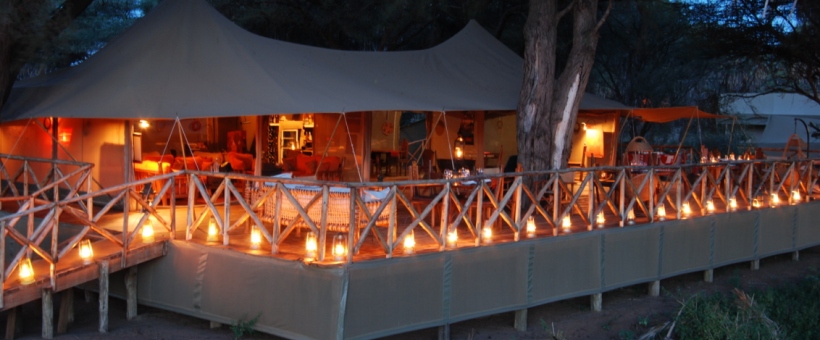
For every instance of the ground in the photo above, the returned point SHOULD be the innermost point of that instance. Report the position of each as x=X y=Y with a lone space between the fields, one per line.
x=627 y=313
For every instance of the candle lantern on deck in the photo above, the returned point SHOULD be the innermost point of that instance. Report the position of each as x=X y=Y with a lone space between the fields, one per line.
x=687 y=210
x=86 y=252
x=566 y=223
x=256 y=238
x=732 y=204
x=410 y=243
x=458 y=149
x=213 y=230
x=774 y=201
x=148 y=231
x=487 y=234
x=339 y=247
x=630 y=217
x=710 y=207
x=311 y=245
x=452 y=238
x=530 y=227
x=795 y=197
x=600 y=219
x=756 y=203
x=661 y=212
x=26 y=272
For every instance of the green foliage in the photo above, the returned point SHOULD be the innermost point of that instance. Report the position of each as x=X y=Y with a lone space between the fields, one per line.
x=244 y=327
x=643 y=321
x=788 y=312
x=626 y=334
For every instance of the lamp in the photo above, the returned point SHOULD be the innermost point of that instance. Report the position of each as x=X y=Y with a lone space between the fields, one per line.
x=339 y=247
x=26 y=272
x=86 y=252
x=600 y=219
x=256 y=238
x=458 y=150
x=795 y=197
x=710 y=207
x=732 y=204
x=65 y=135
x=774 y=201
x=661 y=212
x=409 y=243
x=530 y=227
x=687 y=211
x=756 y=203
x=630 y=217
x=487 y=234
x=566 y=224
x=452 y=238
x=310 y=246
x=144 y=124
x=148 y=231
x=213 y=231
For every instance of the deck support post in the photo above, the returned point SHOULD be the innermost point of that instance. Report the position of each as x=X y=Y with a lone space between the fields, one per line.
x=104 y=297
x=654 y=288
x=520 y=322
x=596 y=302
x=215 y=325
x=709 y=275
x=796 y=255
x=755 y=264
x=48 y=313
x=66 y=315
x=444 y=332
x=13 y=326
x=131 y=293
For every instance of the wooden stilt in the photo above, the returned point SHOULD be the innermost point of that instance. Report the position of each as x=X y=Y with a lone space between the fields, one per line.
x=796 y=255
x=709 y=275
x=596 y=302
x=131 y=293
x=66 y=311
x=655 y=288
x=755 y=265
x=104 y=297
x=215 y=325
x=444 y=332
x=88 y=296
x=48 y=313
x=520 y=322
x=12 y=324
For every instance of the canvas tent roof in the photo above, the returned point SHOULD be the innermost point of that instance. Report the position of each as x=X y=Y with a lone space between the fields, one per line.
x=771 y=104
x=779 y=128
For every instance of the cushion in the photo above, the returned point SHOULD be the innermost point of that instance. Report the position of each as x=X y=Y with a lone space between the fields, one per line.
x=301 y=163
x=311 y=166
x=289 y=164
x=237 y=164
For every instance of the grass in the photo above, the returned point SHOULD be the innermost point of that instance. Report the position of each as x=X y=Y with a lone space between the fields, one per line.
x=244 y=327
x=787 y=312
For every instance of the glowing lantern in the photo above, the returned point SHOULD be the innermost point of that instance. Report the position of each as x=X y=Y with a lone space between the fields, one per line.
x=144 y=124
x=459 y=147
x=566 y=224
x=311 y=245
x=409 y=243
x=687 y=211
x=531 y=227
x=600 y=219
x=487 y=234
x=630 y=217
x=256 y=237
x=732 y=204
x=213 y=230
x=86 y=252
x=148 y=232
x=662 y=212
x=452 y=238
x=795 y=197
x=756 y=203
x=339 y=247
x=26 y=272
x=775 y=201
x=65 y=135
x=710 y=207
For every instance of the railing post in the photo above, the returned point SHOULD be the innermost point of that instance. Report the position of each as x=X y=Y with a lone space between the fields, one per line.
x=678 y=188
x=517 y=207
x=274 y=246
x=651 y=195
x=591 y=200
x=445 y=215
x=556 y=202
x=749 y=186
x=622 y=194
x=227 y=211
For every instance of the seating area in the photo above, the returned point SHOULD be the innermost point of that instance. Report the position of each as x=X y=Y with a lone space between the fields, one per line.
x=327 y=168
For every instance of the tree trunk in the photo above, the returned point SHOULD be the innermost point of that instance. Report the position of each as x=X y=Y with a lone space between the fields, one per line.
x=548 y=105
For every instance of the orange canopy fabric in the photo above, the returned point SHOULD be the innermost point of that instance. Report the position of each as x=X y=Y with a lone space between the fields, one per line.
x=668 y=114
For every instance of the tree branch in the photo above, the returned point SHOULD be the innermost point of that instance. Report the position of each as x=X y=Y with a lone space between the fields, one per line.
x=566 y=10
x=603 y=18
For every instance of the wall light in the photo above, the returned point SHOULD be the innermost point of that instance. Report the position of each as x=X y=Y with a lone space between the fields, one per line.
x=143 y=124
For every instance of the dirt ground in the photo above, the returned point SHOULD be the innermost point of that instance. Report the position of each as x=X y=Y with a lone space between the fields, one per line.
x=627 y=313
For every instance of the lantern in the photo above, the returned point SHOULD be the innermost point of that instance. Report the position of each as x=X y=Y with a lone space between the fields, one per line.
x=710 y=207
x=795 y=197
x=458 y=150
x=687 y=211
x=144 y=124
x=256 y=238
x=600 y=219
x=339 y=247
x=530 y=227
x=566 y=224
x=774 y=201
x=452 y=238
x=732 y=204
x=148 y=231
x=487 y=234
x=630 y=217
x=756 y=203
x=213 y=230
x=311 y=245
x=662 y=212
x=65 y=135
x=86 y=252
x=409 y=243
x=26 y=272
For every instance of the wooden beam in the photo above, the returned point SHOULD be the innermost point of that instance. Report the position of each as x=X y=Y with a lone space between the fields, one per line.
x=12 y=324
x=48 y=314
x=66 y=314
x=131 y=293
x=103 y=296
x=520 y=322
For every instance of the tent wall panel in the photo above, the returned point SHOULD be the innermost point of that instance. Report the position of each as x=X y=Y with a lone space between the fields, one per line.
x=566 y=267
x=631 y=255
x=808 y=228
x=686 y=246
x=775 y=231
x=734 y=237
x=489 y=278
x=378 y=294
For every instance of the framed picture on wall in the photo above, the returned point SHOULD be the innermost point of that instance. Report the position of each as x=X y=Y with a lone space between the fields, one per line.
x=137 y=147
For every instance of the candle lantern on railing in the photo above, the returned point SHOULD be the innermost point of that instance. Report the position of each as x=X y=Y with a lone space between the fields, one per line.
x=487 y=234
x=311 y=246
x=410 y=243
x=795 y=197
x=732 y=204
x=531 y=227
x=86 y=251
x=566 y=224
x=452 y=238
x=687 y=210
x=710 y=207
x=774 y=201
x=256 y=238
x=600 y=219
x=148 y=231
x=458 y=149
x=339 y=247
x=26 y=272
x=213 y=231
x=756 y=203
x=661 y=212
x=630 y=217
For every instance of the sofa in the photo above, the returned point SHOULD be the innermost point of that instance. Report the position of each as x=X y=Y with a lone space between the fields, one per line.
x=154 y=164
x=302 y=165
